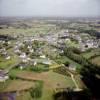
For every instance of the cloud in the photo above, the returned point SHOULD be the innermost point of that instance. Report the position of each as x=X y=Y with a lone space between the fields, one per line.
x=49 y=8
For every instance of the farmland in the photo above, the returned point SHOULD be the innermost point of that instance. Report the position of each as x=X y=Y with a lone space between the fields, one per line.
x=39 y=59
x=96 y=60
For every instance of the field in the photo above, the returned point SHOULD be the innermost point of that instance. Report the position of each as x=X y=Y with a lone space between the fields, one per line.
x=23 y=80
x=24 y=96
x=93 y=56
x=88 y=55
x=34 y=29
x=18 y=85
x=96 y=60
x=50 y=78
x=72 y=44
x=91 y=53
x=51 y=81
x=64 y=59
x=4 y=64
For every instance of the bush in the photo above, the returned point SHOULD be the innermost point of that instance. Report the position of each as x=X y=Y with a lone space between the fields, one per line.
x=37 y=91
x=40 y=68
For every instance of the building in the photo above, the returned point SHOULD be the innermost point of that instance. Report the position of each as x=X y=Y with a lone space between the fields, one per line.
x=3 y=76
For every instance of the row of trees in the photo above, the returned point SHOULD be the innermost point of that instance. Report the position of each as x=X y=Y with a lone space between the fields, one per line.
x=90 y=32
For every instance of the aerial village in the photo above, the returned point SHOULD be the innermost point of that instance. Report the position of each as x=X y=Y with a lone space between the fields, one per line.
x=29 y=62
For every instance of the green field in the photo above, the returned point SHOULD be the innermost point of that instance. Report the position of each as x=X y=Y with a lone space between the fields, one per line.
x=72 y=44
x=64 y=59
x=91 y=53
x=43 y=29
x=4 y=64
x=15 y=84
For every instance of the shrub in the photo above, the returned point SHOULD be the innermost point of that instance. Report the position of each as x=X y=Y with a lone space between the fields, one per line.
x=37 y=91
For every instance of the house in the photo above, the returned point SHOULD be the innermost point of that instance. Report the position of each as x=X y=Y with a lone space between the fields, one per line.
x=17 y=51
x=42 y=56
x=23 y=55
x=9 y=42
x=8 y=57
x=72 y=67
x=22 y=66
x=47 y=62
x=31 y=50
x=3 y=76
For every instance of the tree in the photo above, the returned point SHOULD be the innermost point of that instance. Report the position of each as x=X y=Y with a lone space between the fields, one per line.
x=66 y=63
x=36 y=92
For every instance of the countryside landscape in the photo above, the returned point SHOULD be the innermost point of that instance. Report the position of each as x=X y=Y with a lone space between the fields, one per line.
x=40 y=59
x=49 y=50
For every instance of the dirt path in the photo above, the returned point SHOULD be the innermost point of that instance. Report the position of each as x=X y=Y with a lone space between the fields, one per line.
x=74 y=81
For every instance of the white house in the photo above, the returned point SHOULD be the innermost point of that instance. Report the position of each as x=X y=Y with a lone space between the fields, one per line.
x=8 y=57
x=3 y=76
x=43 y=56
x=23 y=55
x=72 y=67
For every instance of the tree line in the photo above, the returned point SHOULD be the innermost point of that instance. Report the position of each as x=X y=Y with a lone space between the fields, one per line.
x=89 y=71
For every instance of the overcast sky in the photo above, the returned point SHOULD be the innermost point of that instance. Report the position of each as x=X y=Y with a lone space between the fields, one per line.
x=63 y=8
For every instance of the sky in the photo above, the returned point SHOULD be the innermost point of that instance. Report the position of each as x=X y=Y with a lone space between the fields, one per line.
x=55 y=8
